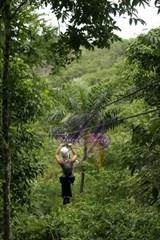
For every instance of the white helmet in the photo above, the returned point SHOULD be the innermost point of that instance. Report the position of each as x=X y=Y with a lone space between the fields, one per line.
x=64 y=151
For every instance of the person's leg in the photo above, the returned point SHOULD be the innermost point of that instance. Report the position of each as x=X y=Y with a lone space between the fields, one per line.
x=69 y=182
x=66 y=191
x=62 y=181
x=66 y=200
x=66 y=188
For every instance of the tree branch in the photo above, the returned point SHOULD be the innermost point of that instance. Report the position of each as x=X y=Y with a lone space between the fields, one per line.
x=19 y=7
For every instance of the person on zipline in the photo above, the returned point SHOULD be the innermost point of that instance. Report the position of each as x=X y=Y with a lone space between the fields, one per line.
x=66 y=162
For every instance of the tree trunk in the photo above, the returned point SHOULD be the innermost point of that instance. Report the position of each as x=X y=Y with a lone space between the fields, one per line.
x=2 y=4
x=6 y=157
x=82 y=167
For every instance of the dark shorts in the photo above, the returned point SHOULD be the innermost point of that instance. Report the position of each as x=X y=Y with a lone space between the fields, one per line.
x=69 y=179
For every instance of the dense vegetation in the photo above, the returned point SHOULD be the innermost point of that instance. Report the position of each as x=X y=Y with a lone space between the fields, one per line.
x=54 y=90
x=121 y=192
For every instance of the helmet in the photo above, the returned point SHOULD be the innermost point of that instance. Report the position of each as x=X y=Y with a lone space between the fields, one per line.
x=64 y=151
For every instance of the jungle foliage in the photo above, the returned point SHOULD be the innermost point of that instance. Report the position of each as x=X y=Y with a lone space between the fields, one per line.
x=113 y=92
x=121 y=196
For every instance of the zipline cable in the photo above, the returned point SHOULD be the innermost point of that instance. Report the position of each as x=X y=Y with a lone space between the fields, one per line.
x=120 y=99
x=118 y=120
x=100 y=102
x=142 y=113
x=133 y=93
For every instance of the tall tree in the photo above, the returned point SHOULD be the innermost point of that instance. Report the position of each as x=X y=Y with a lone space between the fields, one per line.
x=16 y=77
x=5 y=119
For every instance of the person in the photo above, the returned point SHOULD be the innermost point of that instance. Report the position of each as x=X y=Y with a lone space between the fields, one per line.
x=66 y=162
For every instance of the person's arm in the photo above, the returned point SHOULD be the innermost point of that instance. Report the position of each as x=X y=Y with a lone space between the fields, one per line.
x=74 y=155
x=58 y=159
